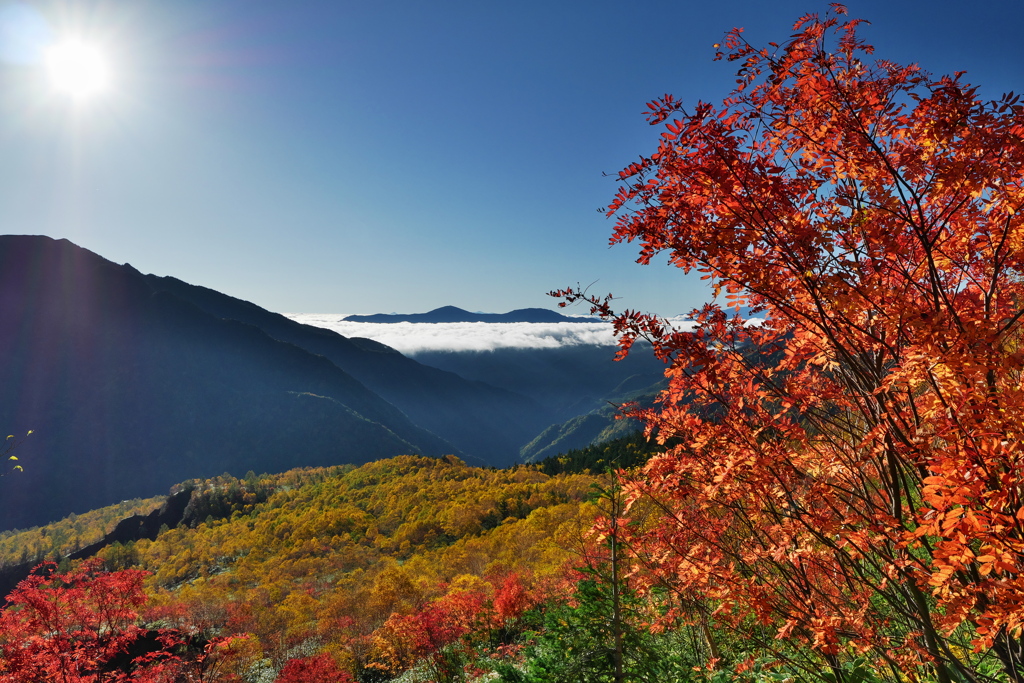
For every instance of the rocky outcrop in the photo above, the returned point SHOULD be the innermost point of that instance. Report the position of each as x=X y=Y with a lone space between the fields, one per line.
x=137 y=527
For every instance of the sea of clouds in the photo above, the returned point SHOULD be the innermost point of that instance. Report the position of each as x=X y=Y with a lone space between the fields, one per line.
x=412 y=338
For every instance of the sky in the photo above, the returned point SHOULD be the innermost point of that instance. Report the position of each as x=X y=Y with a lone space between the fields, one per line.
x=315 y=156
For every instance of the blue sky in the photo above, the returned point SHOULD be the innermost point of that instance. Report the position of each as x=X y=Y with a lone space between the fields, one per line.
x=396 y=155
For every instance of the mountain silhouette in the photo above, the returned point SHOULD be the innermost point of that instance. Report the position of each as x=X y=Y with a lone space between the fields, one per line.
x=452 y=314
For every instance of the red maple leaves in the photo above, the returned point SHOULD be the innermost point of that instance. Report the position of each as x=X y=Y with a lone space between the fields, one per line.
x=82 y=626
x=848 y=468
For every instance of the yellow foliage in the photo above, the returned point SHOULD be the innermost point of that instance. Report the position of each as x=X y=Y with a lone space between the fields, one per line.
x=333 y=553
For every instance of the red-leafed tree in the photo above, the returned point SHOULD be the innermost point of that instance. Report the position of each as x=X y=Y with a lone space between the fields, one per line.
x=316 y=669
x=82 y=626
x=512 y=598
x=68 y=627
x=847 y=477
x=433 y=633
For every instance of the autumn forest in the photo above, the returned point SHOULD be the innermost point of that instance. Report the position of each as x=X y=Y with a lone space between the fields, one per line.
x=829 y=489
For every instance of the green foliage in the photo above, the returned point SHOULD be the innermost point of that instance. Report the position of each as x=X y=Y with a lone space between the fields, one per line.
x=119 y=556
x=577 y=643
x=225 y=496
x=624 y=452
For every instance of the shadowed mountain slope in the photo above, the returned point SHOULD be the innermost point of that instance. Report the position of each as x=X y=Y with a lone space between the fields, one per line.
x=568 y=380
x=599 y=426
x=130 y=388
x=485 y=422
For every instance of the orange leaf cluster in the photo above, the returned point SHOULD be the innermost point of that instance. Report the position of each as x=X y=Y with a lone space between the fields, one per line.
x=848 y=468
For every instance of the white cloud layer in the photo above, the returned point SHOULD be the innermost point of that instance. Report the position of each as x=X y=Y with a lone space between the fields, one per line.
x=410 y=338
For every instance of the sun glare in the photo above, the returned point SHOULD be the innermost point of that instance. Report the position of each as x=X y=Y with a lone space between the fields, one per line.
x=77 y=69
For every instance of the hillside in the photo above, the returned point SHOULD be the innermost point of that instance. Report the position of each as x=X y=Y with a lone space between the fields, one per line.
x=566 y=380
x=334 y=559
x=487 y=423
x=130 y=389
x=598 y=426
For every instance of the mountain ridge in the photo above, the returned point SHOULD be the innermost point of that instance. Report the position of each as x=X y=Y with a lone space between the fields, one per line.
x=130 y=389
x=486 y=422
x=454 y=314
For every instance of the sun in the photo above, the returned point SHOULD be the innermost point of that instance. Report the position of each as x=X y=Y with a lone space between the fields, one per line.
x=78 y=69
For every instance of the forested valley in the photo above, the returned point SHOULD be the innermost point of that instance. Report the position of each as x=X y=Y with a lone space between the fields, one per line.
x=413 y=566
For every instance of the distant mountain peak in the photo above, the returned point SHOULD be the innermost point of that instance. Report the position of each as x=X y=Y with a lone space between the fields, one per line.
x=454 y=314
x=447 y=310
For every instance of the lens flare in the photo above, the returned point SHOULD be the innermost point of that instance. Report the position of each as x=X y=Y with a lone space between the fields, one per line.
x=78 y=69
